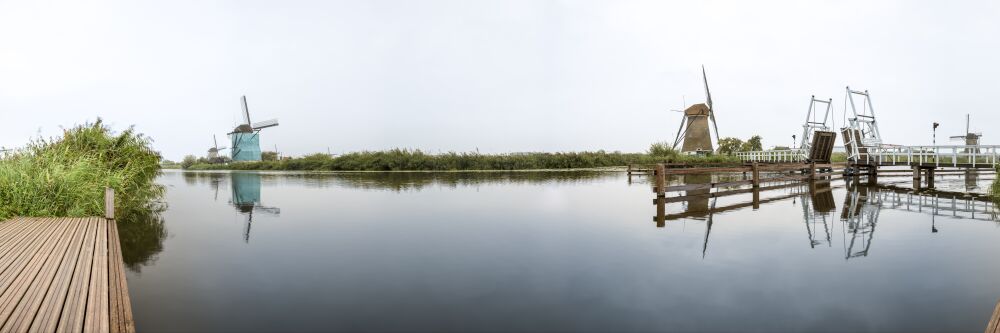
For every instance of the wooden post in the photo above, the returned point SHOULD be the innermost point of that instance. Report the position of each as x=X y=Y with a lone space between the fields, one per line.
x=661 y=212
x=661 y=180
x=756 y=174
x=812 y=171
x=916 y=178
x=873 y=175
x=756 y=198
x=930 y=178
x=109 y=203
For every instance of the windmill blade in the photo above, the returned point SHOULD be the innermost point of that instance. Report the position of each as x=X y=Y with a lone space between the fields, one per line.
x=679 y=130
x=265 y=124
x=711 y=110
x=215 y=143
x=246 y=111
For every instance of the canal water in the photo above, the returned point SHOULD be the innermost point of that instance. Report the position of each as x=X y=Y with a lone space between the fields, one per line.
x=555 y=251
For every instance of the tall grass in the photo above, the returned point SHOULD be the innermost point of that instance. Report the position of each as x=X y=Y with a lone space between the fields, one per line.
x=66 y=176
x=416 y=160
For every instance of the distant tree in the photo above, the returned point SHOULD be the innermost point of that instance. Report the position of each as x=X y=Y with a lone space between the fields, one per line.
x=269 y=156
x=753 y=144
x=661 y=149
x=188 y=161
x=729 y=145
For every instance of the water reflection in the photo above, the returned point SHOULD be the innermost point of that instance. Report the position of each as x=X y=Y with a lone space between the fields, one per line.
x=246 y=198
x=862 y=206
x=141 y=232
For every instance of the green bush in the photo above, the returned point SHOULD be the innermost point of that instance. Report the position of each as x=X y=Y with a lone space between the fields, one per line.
x=66 y=176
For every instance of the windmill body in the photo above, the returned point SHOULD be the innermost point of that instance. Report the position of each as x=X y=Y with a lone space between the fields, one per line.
x=245 y=138
x=697 y=137
x=694 y=128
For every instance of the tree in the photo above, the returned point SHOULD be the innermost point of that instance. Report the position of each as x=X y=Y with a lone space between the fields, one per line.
x=269 y=156
x=729 y=145
x=753 y=144
x=662 y=149
x=188 y=161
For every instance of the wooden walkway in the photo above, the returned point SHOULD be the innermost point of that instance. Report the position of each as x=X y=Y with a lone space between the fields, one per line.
x=62 y=274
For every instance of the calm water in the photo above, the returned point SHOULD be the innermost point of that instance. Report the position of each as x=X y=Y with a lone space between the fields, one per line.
x=554 y=251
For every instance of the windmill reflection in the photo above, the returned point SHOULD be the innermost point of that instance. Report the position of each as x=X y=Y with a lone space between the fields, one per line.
x=246 y=199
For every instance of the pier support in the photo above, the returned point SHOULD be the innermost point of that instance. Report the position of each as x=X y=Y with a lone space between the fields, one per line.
x=930 y=178
x=916 y=178
x=755 y=171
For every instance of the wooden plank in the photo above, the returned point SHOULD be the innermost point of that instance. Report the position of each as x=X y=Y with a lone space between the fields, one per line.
x=993 y=326
x=121 y=311
x=26 y=267
x=728 y=193
x=48 y=313
x=97 y=316
x=693 y=187
x=27 y=307
x=16 y=245
x=72 y=315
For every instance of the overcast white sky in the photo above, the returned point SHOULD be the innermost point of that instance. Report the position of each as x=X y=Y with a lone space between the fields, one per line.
x=500 y=76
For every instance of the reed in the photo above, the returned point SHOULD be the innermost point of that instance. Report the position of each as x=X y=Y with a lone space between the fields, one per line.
x=65 y=176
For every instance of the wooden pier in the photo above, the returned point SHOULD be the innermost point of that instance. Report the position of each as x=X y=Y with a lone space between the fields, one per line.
x=994 y=324
x=63 y=274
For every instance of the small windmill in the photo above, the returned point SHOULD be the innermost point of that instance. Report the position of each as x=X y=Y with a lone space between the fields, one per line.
x=971 y=139
x=694 y=130
x=245 y=138
x=213 y=153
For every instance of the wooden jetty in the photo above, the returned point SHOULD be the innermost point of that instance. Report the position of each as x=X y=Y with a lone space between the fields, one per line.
x=63 y=274
x=994 y=324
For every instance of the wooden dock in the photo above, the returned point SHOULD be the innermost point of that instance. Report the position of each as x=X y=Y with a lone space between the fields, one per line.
x=994 y=324
x=62 y=274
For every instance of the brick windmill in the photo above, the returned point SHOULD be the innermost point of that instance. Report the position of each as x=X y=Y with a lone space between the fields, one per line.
x=694 y=131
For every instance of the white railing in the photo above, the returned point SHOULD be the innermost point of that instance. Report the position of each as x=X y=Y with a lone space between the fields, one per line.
x=975 y=156
x=954 y=155
x=773 y=156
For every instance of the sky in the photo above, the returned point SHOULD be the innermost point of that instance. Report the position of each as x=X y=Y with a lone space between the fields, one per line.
x=492 y=76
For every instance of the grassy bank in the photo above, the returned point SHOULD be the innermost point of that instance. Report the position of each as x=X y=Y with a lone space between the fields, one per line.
x=416 y=160
x=66 y=176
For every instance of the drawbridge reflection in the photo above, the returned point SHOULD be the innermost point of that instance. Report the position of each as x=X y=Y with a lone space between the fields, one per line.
x=859 y=214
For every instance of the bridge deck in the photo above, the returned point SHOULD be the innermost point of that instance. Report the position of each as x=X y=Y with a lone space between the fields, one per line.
x=62 y=274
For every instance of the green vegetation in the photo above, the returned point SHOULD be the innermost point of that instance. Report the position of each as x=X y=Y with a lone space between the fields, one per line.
x=416 y=160
x=733 y=145
x=66 y=176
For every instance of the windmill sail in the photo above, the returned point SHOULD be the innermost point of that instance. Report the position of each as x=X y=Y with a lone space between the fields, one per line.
x=246 y=111
x=265 y=124
x=708 y=100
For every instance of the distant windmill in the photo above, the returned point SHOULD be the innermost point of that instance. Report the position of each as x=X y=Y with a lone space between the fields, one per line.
x=971 y=139
x=245 y=138
x=694 y=129
x=213 y=153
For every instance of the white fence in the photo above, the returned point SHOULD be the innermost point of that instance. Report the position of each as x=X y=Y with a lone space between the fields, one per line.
x=974 y=156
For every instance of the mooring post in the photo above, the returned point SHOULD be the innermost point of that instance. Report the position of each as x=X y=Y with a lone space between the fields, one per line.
x=916 y=178
x=756 y=198
x=755 y=172
x=109 y=203
x=661 y=180
x=812 y=171
x=873 y=175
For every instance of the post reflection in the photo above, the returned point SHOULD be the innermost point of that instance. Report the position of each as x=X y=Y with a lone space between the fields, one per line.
x=246 y=198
